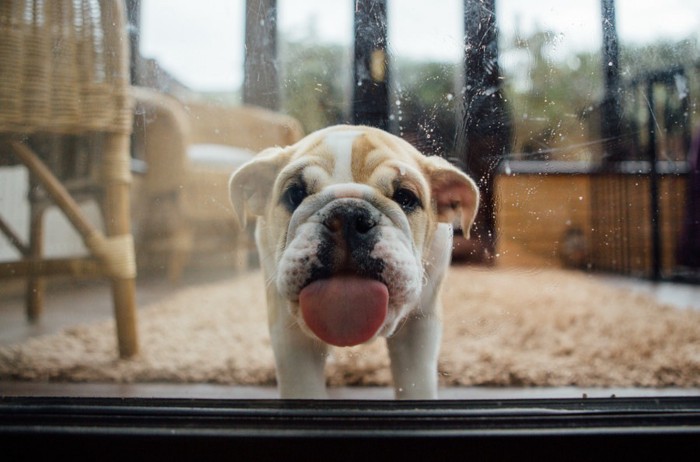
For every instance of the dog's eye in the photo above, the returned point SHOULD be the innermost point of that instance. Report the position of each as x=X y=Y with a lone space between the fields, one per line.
x=294 y=196
x=407 y=199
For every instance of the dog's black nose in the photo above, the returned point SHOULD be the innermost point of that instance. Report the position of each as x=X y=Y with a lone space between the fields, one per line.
x=352 y=233
x=350 y=221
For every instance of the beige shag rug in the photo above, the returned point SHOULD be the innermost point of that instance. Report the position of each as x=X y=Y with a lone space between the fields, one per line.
x=502 y=328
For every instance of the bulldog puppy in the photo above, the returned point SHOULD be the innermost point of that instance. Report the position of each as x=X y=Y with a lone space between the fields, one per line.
x=354 y=232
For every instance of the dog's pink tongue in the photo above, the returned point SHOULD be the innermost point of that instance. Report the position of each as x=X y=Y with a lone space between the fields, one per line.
x=344 y=310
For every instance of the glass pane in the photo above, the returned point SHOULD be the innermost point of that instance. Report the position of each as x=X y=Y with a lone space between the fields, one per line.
x=315 y=49
x=577 y=122
x=201 y=47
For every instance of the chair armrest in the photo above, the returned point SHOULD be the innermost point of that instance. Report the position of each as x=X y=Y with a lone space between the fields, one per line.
x=161 y=136
x=247 y=127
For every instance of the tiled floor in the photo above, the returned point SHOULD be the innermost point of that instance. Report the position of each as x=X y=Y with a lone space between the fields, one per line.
x=78 y=303
x=675 y=294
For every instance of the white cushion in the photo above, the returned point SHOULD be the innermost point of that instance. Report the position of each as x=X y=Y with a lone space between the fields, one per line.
x=217 y=156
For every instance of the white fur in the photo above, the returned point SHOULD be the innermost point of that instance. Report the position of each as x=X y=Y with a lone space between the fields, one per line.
x=402 y=273
x=340 y=144
x=413 y=328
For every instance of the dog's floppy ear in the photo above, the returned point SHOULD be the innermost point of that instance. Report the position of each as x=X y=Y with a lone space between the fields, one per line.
x=454 y=193
x=251 y=184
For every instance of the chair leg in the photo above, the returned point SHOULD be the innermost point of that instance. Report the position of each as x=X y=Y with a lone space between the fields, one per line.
x=180 y=254
x=124 y=294
x=35 y=283
x=117 y=208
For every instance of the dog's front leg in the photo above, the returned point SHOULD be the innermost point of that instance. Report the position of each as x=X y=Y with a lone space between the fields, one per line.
x=414 y=353
x=300 y=360
x=414 y=349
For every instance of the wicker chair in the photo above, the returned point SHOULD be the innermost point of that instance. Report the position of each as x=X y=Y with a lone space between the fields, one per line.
x=66 y=115
x=183 y=205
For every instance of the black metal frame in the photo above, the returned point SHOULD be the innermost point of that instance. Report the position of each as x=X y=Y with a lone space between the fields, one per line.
x=370 y=102
x=616 y=211
x=650 y=81
x=176 y=429
x=484 y=129
x=260 y=78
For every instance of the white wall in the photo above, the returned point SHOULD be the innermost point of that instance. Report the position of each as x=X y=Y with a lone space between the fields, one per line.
x=60 y=239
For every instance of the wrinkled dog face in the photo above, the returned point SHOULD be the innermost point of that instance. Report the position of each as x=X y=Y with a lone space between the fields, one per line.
x=359 y=214
x=350 y=203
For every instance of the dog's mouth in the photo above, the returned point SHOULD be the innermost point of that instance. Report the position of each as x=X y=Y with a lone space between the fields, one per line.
x=345 y=302
x=346 y=309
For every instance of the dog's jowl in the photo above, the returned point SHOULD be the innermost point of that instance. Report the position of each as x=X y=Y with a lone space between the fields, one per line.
x=354 y=232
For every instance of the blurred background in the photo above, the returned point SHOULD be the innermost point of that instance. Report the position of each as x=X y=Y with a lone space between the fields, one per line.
x=577 y=120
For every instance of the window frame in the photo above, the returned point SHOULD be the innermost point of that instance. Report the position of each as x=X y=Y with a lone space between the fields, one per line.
x=111 y=428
